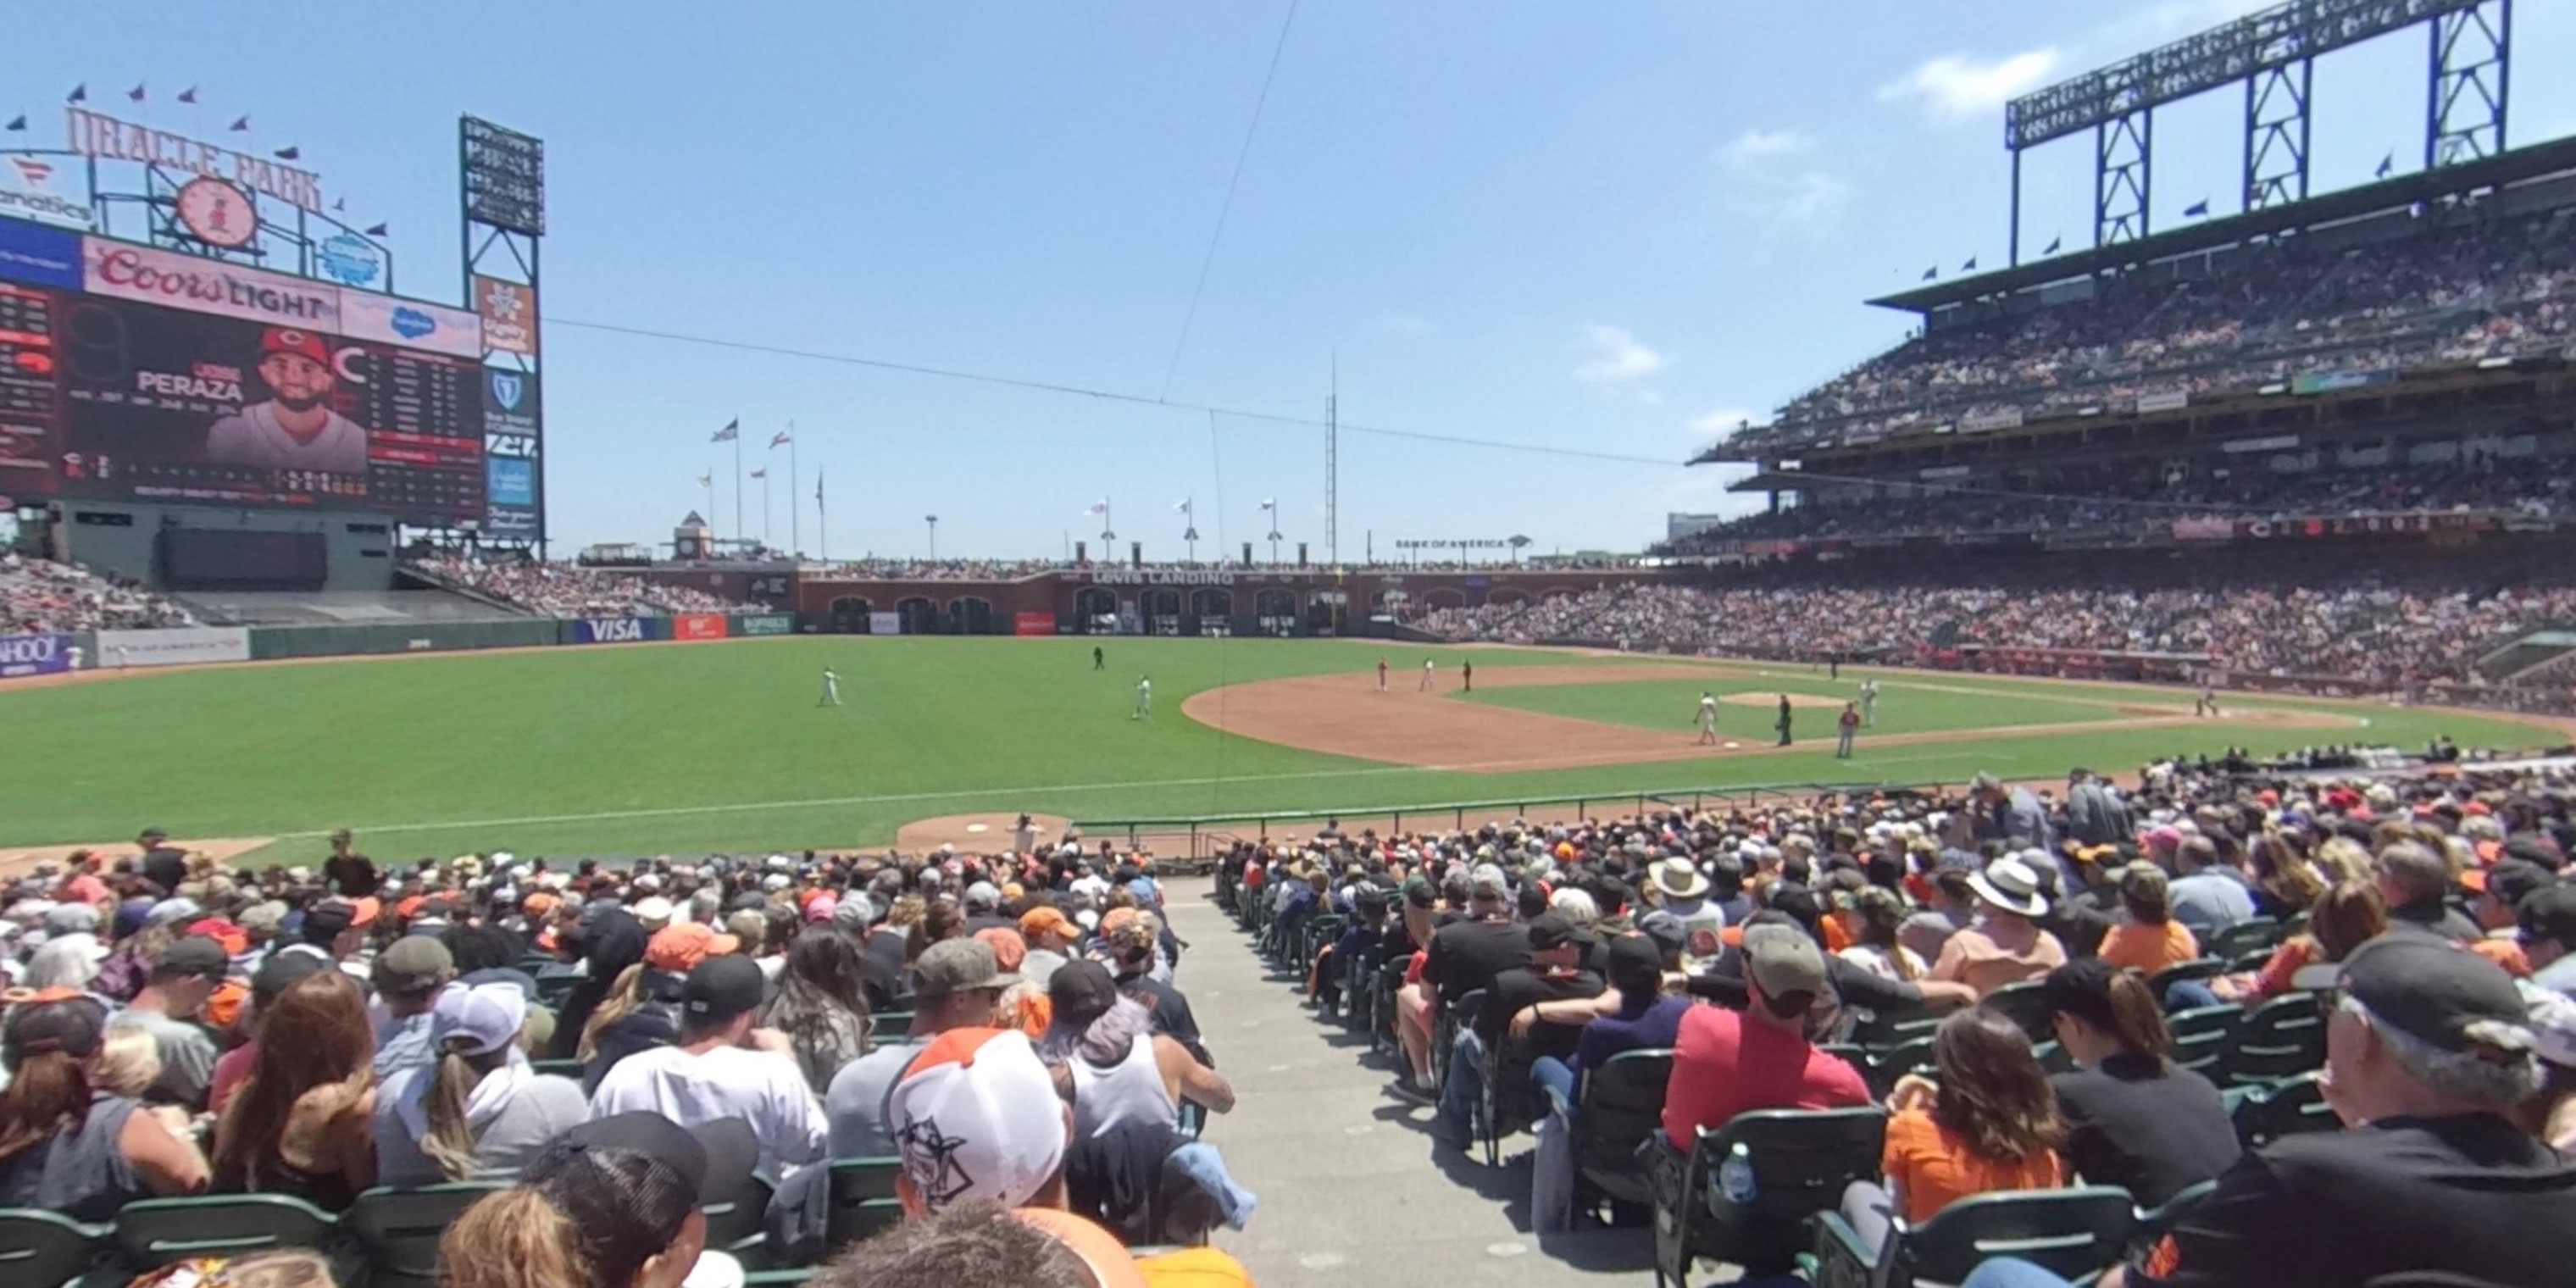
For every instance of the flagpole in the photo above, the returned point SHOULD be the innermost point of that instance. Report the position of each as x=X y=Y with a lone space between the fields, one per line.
x=737 y=481
x=764 y=509
x=822 y=523
x=795 y=502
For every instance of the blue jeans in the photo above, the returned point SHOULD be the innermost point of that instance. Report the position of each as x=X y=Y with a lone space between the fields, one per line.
x=1464 y=1089
x=2012 y=1272
x=1551 y=1073
x=2188 y=994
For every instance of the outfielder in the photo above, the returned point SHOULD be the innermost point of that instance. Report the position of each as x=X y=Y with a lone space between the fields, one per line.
x=2207 y=703
x=1707 y=718
x=1869 y=704
x=1144 y=699
x=831 y=688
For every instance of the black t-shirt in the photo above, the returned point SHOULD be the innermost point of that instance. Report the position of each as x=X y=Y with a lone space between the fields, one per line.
x=166 y=868
x=1172 y=1013
x=883 y=965
x=352 y=876
x=1467 y=955
x=1522 y=987
x=2471 y=1195
x=2145 y=1126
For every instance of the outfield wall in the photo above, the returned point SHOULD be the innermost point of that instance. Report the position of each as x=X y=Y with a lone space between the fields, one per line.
x=1289 y=602
x=31 y=655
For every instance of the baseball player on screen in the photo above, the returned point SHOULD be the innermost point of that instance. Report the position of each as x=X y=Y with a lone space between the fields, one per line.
x=296 y=428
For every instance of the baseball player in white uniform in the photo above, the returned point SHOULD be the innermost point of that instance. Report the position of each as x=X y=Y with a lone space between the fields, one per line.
x=75 y=654
x=1144 y=699
x=1869 y=704
x=1707 y=718
x=1428 y=668
x=296 y=428
x=831 y=688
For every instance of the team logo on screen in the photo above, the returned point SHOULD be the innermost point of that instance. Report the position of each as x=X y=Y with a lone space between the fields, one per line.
x=507 y=389
x=351 y=260
x=412 y=324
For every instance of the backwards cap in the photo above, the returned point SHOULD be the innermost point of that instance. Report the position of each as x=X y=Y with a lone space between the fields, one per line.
x=975 y=1116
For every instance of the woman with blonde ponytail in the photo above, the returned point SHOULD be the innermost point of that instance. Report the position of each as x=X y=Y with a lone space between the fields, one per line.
x=67 y=1144
x=479 y=1113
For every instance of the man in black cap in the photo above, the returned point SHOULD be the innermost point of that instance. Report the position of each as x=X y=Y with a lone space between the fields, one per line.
x=173 y=997
x=1555 y=971
x=2547 y=921
x=723 y=1067
x=2427 y=1054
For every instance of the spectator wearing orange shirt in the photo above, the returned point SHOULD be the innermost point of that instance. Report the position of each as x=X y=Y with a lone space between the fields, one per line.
x=1989 y=1123
x=2151 y=939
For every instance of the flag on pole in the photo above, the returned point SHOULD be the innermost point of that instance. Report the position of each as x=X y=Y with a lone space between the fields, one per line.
x=240 y=124
x=135 y=94
x=818 y=487
x=1096 y=508
x=782 y=439
x=79 y=94
x=760 y=473
x=731 y=431
x=17 y=123
x=2053 y=244
x=1269 y=503
x=189 y=96
x=1183 y=507
x=2196 y=209
x=707 y=479
x=2388 y=164
x=1930 y=273
x=377 y=230
x=290 y=153
x=340 y=207
x=1970 y=266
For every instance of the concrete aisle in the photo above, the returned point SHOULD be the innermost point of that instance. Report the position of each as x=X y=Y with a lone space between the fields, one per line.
x=1352 y=1193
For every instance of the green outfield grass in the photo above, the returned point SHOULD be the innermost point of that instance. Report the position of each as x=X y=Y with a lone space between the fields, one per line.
x=659 y=748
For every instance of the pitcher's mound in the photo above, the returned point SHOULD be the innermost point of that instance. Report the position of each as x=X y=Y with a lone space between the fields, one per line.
x=1772 y=700
x=974 y=833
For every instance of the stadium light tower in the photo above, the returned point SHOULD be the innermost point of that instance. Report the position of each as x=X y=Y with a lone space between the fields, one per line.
x=933 y=521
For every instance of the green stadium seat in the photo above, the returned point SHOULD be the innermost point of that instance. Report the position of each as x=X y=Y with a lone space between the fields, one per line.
x=2260 y=934
x=46 y=1249
x=2280 y=1039
x=2024 y=1004
x=2202 y=1036
x=400 y=1228
x=1794 y=1164
x=2198 y=968
x=736 y=1223
x=559 y=1068
x=2076 y=1233
x=151 y=1233
x=863 y=1199
x=1622 y=1106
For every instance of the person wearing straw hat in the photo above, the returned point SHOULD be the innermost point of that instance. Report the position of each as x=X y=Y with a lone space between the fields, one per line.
x=2004 y=945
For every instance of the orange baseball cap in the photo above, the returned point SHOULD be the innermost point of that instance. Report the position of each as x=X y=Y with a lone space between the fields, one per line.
x=679 y=948
x=1041 y=921
x=363 y=912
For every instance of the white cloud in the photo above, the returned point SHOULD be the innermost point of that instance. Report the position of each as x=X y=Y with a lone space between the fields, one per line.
x=1615 y=356
x=1649 y=398
x=1955 y=87
x=1757 y=145
x=1716 y=425
x=1408 y=324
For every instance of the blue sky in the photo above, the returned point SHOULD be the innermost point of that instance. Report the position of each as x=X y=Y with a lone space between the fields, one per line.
x=1610 y=227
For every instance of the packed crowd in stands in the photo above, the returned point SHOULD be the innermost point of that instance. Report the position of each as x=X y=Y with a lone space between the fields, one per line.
x=2464 y=289
x=668 y=1072
x=2376 y=636
x=612 y=1049
x=2510 y=488
x=566 y=590
x=39 y=595
x=2310 y=1032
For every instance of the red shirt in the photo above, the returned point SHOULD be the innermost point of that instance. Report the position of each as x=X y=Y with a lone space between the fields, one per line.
x=231 y=1068
x=1724 y=1065
x=1850 y=719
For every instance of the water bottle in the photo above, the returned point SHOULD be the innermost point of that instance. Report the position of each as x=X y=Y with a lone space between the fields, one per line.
x=1735 y=1176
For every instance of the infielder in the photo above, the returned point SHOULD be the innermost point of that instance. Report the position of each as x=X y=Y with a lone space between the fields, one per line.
x=1381 y=673
x=1707 y=719
x=831 y=688
x=1869 y=704
x=1427 y=666
x=2207 y=703
x=1144 y=699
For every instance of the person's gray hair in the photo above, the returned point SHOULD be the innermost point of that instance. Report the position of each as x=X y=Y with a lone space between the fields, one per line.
x=2416 y=869
x=703 y=906
x=2498 y=1081
x=1576 y=906
x=63 y=962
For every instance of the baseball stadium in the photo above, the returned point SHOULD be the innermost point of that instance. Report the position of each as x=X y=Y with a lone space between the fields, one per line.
x=2090 y=801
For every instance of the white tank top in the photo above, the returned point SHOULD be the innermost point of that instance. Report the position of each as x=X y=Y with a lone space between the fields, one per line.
x=1128 y=1091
